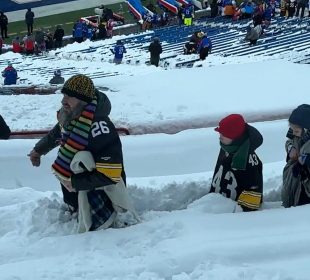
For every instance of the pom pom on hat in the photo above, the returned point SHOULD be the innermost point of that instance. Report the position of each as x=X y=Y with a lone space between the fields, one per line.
x=80 y=87
x=232 y=126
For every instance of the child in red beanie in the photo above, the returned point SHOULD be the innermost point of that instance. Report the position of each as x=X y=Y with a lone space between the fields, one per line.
x=238 y=172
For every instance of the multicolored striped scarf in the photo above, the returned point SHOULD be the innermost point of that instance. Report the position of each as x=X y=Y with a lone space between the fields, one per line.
x=74 y=139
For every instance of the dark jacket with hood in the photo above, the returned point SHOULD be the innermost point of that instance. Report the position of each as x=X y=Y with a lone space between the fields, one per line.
x=296 y=176
x=29 y=17
x=59 y=33
x=4 y=129
x=244 y=185
x=57 y=80
x=155 y=49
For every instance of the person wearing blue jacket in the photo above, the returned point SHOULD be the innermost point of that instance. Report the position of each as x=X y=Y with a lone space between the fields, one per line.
x=10 y=75
x=118 y=52
x=79 y=31
x=205 y=47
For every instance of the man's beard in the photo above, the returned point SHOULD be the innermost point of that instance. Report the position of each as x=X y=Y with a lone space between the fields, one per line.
x=65 y=117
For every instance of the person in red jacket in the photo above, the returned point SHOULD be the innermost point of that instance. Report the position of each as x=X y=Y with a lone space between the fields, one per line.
x=16 y=45
x=29 y=44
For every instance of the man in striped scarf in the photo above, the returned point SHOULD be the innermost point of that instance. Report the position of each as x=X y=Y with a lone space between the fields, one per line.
x=89 y=164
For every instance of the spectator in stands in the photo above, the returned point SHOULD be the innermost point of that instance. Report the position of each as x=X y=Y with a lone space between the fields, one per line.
x=296 y=173
x=5 y=131
x=205 y=47
x=253 y=34
x=10 y=75
x=165 y=19
x=102 y=31
x=57 y=79
x=90 y=32
x=48 y=39
x=257 y=18
x=107 y=13
x=292 y=8
x=229 y=9
x=147 y=21
x=29 y=44
x=29 y=18
x=267 y=15
x=79 y=31
x=220 y=7
x=239 y=172
x=40 y=41
x=17 y=45
x=155 y=50
x=197 y=37
x=214 y=8
x=1 y=45
x=188 y=14
x=89 y=164
x=283 y=8
x=301 y=5
x=4 y=25
x=247 y=10
x=109 y=27
x=118 y=52
x=180 y=14
x=58 y=36
x=190 y=47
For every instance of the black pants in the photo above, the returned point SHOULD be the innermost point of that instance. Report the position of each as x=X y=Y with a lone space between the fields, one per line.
x=155 y=61
x=304 y=198
x=302 y=7
x=204 y=53
x=70 y=198
x=58 y=44
x=78 y=39
x=30 y=28
x=4 y=31
x=253 y=42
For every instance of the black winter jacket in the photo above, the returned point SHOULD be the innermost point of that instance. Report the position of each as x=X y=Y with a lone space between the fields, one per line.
x=243 y=186
x=4 y=129
x=155 y=49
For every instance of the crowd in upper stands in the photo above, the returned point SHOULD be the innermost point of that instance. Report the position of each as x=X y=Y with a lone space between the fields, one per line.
x=101 y=27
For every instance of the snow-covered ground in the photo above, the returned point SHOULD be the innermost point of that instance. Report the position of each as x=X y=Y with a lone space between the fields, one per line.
x=184 y=233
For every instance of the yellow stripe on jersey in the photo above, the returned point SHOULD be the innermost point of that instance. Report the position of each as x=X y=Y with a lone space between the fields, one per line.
x=111 y=170
x=250 y=199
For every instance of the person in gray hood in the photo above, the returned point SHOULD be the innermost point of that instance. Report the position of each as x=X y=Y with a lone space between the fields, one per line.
x=296 y=173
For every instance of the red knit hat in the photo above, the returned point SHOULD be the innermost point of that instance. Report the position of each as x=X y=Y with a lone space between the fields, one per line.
x=232 y=126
